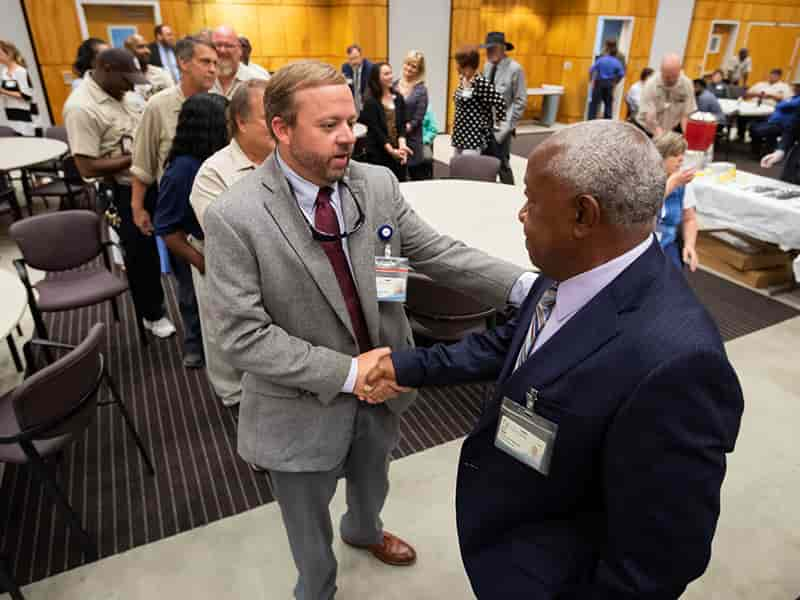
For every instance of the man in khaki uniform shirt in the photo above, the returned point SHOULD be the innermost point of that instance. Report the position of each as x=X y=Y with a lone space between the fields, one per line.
x=100 y=130
x=251 y=143
x=667 y=99
x=231 y=71
x=197 y=60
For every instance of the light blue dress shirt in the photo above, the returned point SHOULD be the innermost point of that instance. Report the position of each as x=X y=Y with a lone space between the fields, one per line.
x=170 y=62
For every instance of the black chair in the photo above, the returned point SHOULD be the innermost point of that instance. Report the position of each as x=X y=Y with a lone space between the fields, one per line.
x=6 y=131
x=474 y=167
x=9 y=195
x=64 y=243
x=52 y=408
x=67 y=185
x=440 y=314
x=7 y=583
x=51 y=168
x=736 y=91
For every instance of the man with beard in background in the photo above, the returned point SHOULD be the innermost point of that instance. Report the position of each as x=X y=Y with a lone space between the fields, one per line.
x=158 y=78
x=231 y=71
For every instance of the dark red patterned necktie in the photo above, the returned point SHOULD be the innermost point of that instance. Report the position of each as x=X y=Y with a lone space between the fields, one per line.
x=325 y=221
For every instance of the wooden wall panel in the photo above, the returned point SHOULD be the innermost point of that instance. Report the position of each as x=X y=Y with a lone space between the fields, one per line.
x=764 y=47
x=280 y=31
x=100 y=17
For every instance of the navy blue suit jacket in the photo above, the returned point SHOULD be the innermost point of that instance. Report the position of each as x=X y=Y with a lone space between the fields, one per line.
x=647 y=406
x=366 y=68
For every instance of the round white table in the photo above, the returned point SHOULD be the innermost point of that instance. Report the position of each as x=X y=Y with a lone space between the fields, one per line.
x=15 y=302
x=480 y=214
x=20 y=152
x=745 y=108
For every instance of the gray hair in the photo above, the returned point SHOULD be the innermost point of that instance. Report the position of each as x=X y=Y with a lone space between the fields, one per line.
x=184 y=49
x=615 y=163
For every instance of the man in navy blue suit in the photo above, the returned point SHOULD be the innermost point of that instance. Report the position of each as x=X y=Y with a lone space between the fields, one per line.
x=595 y=470
x=356 y=70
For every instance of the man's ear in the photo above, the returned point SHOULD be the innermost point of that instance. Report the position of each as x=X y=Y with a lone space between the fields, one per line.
x=587 y=215
x=281 y=129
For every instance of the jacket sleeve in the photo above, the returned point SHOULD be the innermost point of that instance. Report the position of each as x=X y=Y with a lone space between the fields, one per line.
x=663 y=467
x=249 y=339
x=450 y=262
x=519 y=102
x=401 y=118
x=489 y=95
x=371 y=116
x=420 y=107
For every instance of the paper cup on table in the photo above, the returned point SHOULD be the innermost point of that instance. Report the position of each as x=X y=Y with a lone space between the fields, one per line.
x=723 y=172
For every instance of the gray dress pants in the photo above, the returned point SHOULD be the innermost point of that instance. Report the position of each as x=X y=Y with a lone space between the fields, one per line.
x=304 y=499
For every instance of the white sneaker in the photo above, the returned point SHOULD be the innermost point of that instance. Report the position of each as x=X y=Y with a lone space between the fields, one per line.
x=162 y=328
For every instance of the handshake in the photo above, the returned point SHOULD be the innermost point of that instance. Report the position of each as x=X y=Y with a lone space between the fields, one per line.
x=376 y=381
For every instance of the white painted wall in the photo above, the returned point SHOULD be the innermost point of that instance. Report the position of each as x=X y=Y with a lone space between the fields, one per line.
x=13 y=29
x=673 y=20
x=423 y=25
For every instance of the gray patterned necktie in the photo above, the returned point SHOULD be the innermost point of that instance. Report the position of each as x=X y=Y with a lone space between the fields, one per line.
x=544 y=309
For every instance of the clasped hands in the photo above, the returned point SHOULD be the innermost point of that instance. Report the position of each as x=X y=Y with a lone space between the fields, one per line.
x=376 y=381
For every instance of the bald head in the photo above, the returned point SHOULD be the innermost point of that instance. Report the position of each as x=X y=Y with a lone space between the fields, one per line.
x=229 y=50
x=670 y=69
x=136 y=45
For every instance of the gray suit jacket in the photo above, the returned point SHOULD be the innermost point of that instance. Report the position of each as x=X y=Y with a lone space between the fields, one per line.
x=281 y=319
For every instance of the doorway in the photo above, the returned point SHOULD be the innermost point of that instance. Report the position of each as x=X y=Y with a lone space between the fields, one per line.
x=619 y=29
x=115 y=20
x=721 y=46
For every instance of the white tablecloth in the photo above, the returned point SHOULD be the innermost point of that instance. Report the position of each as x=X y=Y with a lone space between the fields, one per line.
x=19 y=152
x=482 y=215
x=736 y=206
x=745 y=108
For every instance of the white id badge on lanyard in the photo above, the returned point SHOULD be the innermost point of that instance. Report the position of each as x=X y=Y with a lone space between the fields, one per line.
x=391 y=278
x=526 y=436
x=391 y=272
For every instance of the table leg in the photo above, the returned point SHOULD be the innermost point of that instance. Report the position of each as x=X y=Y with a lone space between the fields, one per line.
x=12 y=346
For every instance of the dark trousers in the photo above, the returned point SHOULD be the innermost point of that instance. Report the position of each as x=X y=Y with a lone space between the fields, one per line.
x=187 y=303
x=764 y=132
x=502 y=152
x=421 y=171
x=603 y=91
x=142 y=263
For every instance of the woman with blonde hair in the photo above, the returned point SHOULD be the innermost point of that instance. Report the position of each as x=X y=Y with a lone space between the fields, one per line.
x=677 y=223
x=16 y=91
x=412 y=87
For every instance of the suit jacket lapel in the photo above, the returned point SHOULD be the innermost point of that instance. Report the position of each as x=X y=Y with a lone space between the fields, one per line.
x=588 y=330
x=286 y=213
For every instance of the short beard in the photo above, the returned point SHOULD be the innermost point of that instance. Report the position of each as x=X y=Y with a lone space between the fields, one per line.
x=317 y=165
x=225 y=68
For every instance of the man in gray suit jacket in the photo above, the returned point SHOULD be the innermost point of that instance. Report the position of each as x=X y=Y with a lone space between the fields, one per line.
x=291 y=284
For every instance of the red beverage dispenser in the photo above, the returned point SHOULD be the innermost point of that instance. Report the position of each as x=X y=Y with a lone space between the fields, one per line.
x=700 y=131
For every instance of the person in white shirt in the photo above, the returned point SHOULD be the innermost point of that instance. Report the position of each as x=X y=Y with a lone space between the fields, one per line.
x=16 y=90
x=258 y=71
x=739 y=68
x=768 y=92
x=634 y=96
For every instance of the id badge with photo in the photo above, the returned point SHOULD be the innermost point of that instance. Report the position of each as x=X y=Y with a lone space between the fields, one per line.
x=526 y=436
x=466 y=93
x=391 y=278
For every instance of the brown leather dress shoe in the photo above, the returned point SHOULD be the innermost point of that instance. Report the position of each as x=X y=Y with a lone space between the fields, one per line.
x=393 y=551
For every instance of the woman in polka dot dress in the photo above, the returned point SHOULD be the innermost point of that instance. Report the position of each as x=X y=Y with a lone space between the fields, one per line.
x=478 y=105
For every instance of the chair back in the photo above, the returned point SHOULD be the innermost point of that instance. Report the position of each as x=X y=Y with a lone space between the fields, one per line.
x=6 y=131
x=736 y=91
x=443 y=313
x=62 y=397
x=58 y=241
x=72 y=175
x=474 y=167
x=57 y=132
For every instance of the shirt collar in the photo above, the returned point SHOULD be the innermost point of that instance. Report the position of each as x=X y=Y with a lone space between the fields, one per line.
x=305 y=191
x=98 y=94
x=240 y=160
x=576 y=292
